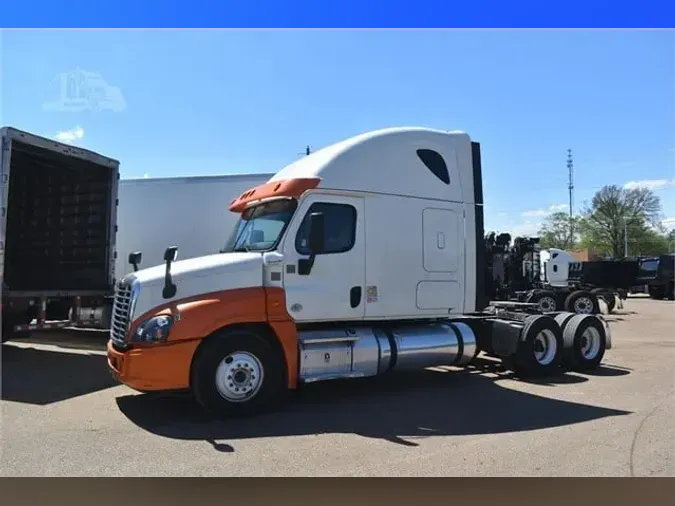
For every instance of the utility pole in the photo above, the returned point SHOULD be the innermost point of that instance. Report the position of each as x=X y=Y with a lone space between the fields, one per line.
x=570 y=170
x=625 y=238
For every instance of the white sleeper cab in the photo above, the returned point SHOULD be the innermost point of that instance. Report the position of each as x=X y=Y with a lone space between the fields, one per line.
x=363 y=258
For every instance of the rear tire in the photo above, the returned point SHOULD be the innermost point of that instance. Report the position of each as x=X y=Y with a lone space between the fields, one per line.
x=546 y=300
x=582 y=302
x=588 y=343
x=608 y=297
x=540 y=349
x=238 y=373
x=656 y=293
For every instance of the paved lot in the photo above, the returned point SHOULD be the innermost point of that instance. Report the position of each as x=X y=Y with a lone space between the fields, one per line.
x=63 y=415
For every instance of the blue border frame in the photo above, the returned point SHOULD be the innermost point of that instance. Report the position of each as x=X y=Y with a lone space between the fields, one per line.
x=337 y=14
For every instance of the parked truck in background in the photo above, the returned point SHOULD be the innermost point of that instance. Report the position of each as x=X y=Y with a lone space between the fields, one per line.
x=657 y=274
x=188 y=212
x=57 y=231
x=363 y=258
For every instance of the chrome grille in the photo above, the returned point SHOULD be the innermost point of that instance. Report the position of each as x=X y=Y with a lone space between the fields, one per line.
x=121 y=312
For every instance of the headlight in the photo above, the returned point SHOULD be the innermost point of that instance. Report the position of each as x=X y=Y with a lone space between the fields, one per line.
x=154 y=330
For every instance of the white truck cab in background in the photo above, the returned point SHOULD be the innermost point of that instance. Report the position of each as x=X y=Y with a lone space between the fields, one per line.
x=555 y=264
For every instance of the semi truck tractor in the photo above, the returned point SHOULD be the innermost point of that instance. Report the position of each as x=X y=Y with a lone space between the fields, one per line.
x=57 y=232
x=364 y=258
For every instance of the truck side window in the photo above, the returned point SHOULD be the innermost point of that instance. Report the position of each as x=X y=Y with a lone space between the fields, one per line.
x=340 y=228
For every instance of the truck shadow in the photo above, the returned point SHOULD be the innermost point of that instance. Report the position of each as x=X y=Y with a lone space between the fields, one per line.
x=41 y=377
x=400 y=408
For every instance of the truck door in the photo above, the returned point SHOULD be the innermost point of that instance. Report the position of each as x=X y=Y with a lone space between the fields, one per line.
x=334 y=289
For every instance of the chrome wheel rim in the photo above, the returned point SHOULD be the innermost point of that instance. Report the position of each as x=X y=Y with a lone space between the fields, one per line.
x=590 y=343
x=583 y=305
x=547 y=304
x=239 y=376
x=545 y=347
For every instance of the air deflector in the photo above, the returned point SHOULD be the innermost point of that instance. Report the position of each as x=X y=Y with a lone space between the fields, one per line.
x=435 y=163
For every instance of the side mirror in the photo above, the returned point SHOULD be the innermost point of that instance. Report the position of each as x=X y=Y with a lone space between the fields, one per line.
x=135 y=259
x=316 y=243
x=316 y=233
x=170 y=254
x=170 y=288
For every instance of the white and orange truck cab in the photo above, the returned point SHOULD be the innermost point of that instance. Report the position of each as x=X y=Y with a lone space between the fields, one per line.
x=360 y=259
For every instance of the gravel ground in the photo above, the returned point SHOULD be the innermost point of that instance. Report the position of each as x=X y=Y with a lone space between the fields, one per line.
x=63 y=415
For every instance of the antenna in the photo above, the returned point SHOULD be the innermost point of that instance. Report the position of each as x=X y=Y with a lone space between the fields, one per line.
x=307 y=151
x=570 y=187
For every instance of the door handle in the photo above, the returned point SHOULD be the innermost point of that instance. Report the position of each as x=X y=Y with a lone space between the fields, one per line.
x=355 y=296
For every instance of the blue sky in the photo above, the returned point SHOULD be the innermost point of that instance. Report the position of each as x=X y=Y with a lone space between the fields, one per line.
x=215 y=102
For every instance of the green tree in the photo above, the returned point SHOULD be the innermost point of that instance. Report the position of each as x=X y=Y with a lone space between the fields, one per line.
x=555 y=231
x=615 y=211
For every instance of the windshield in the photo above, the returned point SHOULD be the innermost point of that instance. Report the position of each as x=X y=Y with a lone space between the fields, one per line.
x=260 y=227
x=648 y=268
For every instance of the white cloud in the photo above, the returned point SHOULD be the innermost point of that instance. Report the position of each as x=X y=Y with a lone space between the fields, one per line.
x=669 y=223
x=651 y=184
x=540 y=213
x=527 y=228
x=70 y=136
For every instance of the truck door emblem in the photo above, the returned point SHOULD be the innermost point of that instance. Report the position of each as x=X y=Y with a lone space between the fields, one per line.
x=177 y=317
x=326 y=357
x=296 y=307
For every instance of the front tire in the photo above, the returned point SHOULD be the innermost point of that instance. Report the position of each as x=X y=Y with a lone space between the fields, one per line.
x=238 y=373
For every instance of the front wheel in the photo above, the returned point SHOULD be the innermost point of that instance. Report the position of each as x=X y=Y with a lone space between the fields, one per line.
x=238 y=373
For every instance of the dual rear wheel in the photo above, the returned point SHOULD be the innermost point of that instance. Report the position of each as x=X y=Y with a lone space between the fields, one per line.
x=571 y=341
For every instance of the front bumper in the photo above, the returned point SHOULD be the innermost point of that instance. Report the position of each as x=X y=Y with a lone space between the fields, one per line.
x=161 y=367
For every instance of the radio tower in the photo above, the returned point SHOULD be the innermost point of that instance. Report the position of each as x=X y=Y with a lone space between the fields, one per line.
x=570 y=187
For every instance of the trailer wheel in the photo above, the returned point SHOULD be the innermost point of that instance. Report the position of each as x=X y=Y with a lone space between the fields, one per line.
x=540 y=350
x=586 y=334
x=608 y=297
x=562 y=320
x=671 y=291
x=237 y=373
x=582 y=302
x=545 y=300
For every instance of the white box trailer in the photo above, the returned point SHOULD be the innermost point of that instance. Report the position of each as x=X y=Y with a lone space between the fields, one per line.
x=188 y=212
